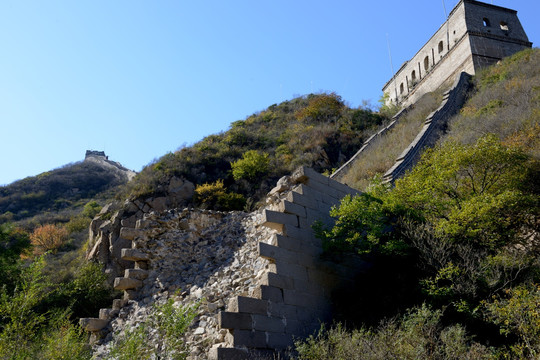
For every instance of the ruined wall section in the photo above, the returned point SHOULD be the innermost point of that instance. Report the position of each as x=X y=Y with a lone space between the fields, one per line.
x=296 y=294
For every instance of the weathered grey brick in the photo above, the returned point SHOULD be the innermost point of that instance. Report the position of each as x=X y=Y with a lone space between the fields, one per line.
x=223 y=353
x=248 y=305
x=306 y=200
x=303 y=173
x=122 y=283
x=279 y=341
x=301 y=299
x=276 y=220
x=267 y=323
x=134 y=255
x=292 y=208
x=131 y=233
x=248 y=338
x=301 y=235
x=233 y=320
x=286 y=242
x=277 y=280
x=275 y=253
x=271 y=293
x=294 y=271
x=138 y=274
x=282 y=310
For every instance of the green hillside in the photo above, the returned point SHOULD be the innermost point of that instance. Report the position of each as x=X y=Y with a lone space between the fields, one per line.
x=315 y=130
x=454 y=246
x=56 y=195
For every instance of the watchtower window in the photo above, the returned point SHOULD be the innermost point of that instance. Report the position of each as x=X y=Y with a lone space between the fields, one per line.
x=413 y=76
x=401 y=89
x=504 y=26
x=441 y=47
x=426 y=63
x=486 y=22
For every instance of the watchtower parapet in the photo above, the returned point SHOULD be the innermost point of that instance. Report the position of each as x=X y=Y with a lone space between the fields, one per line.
x=475 y=35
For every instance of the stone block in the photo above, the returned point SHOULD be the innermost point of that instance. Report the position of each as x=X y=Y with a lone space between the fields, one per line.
x=248 y=305
x=138 y=274
x=267 y=323
x=324 y=189
x=275 y=220
x=306 y=200
x=303 y=173
x=223 y=353
x=298 y=298
x=122 y=283
x=248 y=338
x=279 y=341
x=131 y=233
x=275 y=253
x=301 y=235
x=270 y=293
x=342 y=188
x=93 y=324
x=233 y=320
x=134 y=255
x=130 y=295
x=293 y=271
x=281 y=310
x=118 y=304
x=292 y=208
x=276 y=280
x=105 y=314
x=286 y=242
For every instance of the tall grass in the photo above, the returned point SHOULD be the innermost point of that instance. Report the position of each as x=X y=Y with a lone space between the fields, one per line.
x=384 y=150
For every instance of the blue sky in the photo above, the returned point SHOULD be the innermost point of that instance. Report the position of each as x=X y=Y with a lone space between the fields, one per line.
x=139 y=78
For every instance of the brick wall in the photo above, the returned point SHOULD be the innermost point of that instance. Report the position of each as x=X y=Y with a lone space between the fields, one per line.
x=296 y=295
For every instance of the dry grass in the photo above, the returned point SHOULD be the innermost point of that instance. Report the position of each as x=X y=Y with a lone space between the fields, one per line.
x=383 y=151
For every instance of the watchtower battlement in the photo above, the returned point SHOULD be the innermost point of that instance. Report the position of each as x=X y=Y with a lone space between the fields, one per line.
x=474 y=36
x=93 y=153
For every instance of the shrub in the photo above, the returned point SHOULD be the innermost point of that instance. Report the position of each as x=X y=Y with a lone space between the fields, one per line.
x=168 y=322
x=215 y=197
x=252 y=165
x=48 y=238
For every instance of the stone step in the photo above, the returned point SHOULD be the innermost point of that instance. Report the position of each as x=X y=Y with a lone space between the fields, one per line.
x=93 y=324
x=134 y=255
x=138 y=274
x=108 y=314
x=122 y=283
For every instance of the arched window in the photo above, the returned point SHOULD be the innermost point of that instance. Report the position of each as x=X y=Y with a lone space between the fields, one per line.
x=441 y=46
x=413 y=76
x=401 y=89
x=426 y=63
x=504 y=26
x=486 y=22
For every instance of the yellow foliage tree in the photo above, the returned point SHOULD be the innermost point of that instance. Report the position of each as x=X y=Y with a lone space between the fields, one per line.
x=48 y=237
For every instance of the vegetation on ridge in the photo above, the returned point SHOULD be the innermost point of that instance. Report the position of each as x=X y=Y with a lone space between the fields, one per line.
x=317 y=130
x=454 y=246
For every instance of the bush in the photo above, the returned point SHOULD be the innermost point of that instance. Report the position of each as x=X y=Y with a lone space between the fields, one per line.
x=215 y=197
x=252 y=165
x=48 y=238
x=418 y=335
x=168 y=322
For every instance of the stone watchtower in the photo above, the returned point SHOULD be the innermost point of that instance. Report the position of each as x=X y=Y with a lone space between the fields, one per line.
x=475 y=35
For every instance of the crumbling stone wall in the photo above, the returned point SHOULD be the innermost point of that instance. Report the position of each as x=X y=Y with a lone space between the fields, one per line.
x=260 y=276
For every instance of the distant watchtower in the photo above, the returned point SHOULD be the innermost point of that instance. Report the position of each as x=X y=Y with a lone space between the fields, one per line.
x=475 y=35
x=99 y=154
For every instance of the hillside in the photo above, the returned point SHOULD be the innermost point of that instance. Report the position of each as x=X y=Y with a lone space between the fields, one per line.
x=58 y=194
x=317 y=130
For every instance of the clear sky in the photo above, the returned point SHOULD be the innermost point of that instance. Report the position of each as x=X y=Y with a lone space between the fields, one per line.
x=140 y=78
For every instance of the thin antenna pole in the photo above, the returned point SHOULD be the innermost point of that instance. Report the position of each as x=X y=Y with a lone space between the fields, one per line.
x=447 y=29
x=391 y=65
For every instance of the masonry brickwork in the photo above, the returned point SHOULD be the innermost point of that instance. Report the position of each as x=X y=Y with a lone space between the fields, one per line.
x=475 y=35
